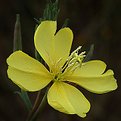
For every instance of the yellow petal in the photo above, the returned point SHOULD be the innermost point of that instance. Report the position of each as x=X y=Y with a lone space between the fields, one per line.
x=67 y=99
x=91 y=68
x=24 y=62
x=28 y=73
x=27 y=80
x=62 y=45
x=43 y=40
x=54 y=49
x=95 y=83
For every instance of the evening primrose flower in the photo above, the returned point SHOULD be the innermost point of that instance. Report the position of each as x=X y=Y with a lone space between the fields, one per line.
x=31 y=75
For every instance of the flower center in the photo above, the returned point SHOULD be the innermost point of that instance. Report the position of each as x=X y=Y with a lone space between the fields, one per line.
x=73 y=62
x=58 y=77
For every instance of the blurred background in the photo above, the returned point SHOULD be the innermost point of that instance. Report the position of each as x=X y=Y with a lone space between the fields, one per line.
x=95 y=22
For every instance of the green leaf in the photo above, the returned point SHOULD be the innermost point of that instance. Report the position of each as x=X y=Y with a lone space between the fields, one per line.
x=89 y=54
x=51 y=12
x=65 y=23
x=17 y=42
x=24 y=96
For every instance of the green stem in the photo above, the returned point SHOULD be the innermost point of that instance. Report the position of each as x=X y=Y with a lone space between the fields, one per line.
x=40 y=108
x=35 y=106
x=26 y=99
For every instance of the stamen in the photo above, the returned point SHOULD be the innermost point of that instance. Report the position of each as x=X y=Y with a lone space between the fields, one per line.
x=76 y=51
x=82 y=53
x=74 y=60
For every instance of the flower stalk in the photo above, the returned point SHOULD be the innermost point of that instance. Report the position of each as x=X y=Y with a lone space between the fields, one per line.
x=40 y=108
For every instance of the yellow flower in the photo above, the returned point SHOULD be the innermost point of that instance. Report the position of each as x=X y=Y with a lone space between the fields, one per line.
x=31 y=75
